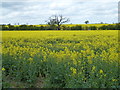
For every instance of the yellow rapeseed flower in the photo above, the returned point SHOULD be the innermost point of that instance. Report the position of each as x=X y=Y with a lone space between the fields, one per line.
x=3 y=69
x=74 y=62
x=93 y=68
x=114 y=80
x=101 y=71
x=30 y=59
x=74 y=71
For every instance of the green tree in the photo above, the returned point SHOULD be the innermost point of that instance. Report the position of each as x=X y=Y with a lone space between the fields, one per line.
x=86 y=22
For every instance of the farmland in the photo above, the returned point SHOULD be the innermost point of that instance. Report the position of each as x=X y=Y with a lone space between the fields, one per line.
x=60 y=59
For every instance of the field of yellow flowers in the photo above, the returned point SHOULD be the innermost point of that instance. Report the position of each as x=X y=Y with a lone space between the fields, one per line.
x=60 y=59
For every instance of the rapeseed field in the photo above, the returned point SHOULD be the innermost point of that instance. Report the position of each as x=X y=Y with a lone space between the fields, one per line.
x=60 y=59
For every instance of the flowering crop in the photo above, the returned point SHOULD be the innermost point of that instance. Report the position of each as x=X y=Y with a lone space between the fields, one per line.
x=65 y=59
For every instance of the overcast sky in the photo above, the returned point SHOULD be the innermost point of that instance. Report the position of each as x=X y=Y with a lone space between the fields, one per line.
x=38 y=11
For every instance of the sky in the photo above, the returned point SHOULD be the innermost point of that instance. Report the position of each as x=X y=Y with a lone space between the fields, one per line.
x=38 y=11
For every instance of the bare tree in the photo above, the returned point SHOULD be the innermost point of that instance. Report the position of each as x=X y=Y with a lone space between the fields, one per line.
x=57 y=20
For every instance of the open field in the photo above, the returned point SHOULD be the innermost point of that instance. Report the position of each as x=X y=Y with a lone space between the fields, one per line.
x=60 y=59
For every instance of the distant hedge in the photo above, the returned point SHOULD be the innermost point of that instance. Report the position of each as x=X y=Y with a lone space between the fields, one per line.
x=63 y=27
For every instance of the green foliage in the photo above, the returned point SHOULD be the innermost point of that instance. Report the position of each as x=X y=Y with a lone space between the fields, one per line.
x=63 y=27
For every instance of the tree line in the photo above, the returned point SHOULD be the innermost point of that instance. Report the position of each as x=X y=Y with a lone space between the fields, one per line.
x=62 y=27
x=56 y=22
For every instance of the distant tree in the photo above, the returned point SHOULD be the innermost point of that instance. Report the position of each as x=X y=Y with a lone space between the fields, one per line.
x=9 y=24
x=104 y=27
x=117 y=26
x=4 y=27
x=86 y=22
x=77 y=27
x=23 y=27
x=93 y=28
x=11 y=27
x=57 y=21
x=42 y=27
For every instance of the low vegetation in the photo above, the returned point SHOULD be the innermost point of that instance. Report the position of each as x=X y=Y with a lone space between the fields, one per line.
x=60 y=59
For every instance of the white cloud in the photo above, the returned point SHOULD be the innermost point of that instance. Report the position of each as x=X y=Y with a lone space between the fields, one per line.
x=61 y=0
x=37 y=11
